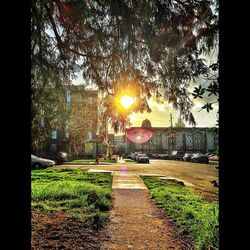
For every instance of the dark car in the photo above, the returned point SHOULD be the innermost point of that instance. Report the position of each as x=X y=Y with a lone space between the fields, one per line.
x=154 y=156
x=176 y=155
x=58 y=157
x=61 y=157
x=164 y=156
x=188 y=156
x=142 y=158
x=200 y=158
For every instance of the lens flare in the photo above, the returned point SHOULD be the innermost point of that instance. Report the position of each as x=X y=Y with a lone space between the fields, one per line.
x=124 y=169
x=127 y=101
x=139 y=135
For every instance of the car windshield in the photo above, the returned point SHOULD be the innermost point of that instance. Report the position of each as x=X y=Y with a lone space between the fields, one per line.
x=34 y=156
x=142 y=155
x=199 y=154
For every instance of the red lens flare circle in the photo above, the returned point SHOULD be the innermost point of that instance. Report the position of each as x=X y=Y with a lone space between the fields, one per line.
x=139 y=135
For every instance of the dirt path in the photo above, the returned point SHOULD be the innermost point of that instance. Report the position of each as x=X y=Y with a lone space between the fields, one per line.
x=136 y=223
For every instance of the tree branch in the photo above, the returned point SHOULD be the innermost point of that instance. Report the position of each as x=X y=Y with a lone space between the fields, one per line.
x=59 y=41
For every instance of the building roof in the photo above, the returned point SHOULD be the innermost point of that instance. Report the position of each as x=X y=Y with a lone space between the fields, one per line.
x=168 y=129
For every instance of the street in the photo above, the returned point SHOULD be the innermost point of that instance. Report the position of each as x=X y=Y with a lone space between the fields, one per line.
x=200 y=175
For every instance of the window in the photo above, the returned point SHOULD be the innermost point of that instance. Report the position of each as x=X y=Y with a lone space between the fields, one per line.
x=68 y=97
x=89 y=135
x=42 y=122
x=54 y=134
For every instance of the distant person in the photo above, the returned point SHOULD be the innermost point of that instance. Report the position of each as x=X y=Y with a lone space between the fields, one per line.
x=97 y=160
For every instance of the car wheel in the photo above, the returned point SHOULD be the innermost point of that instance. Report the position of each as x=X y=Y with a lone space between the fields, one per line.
x=37 y=165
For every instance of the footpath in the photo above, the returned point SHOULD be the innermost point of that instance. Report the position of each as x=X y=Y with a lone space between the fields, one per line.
x=136 y=222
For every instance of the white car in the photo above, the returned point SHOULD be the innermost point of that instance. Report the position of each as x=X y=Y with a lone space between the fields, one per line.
x=38 y=162
x=143 y=158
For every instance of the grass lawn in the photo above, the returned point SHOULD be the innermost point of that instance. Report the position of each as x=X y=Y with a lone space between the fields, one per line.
x=92 y=160
x=85 y=196
x=196 y=217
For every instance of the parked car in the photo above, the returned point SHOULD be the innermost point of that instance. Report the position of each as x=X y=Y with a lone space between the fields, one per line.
x=38 y=162
x=209 y=154
x=136 y=155
x=176 y=155
x=188 y=156
x=200 y=158
x=58 y=157
x=142 y=158
x=61 y=157
x=164 y=156
x=214 y=158
x=155 y=156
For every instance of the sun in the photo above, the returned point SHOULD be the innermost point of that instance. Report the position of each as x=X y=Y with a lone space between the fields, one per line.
x=127 y=101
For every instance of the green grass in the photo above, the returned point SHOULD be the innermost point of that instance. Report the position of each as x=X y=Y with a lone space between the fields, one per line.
x=86 y=196
x=92 y=160
x=196 y=217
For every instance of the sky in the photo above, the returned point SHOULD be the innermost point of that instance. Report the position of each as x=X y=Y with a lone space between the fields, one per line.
x=160 y=115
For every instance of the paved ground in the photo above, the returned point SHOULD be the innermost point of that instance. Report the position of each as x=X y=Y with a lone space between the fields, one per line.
x=136 y=223
x=200 y=175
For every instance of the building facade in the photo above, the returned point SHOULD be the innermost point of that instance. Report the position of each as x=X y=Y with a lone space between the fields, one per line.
x=77 y=136
x=187 y=139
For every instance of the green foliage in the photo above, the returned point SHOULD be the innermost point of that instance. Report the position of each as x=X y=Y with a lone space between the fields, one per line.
x=146 y=123
x=213 y=88
x=195 y=216
x=48 y=112
x=207 y=106
x=84 y=195
x=198 y=92
x=150 y=47
x=180 y=123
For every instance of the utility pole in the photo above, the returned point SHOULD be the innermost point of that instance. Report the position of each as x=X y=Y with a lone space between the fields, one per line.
x=171 y=122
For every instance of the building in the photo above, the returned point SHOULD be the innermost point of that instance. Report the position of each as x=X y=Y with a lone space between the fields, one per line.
x=78 y=134
x=120 y=144
x=186 y=139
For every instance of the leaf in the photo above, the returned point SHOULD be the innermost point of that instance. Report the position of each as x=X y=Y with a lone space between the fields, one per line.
x=198 y=92
x=213 y=88
x=208 y=107
x=214 y=66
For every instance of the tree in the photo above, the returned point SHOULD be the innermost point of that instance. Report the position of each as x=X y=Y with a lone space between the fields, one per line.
x=146 y=48
x=146 y=124
x=209 y=89
x=78 y=123
x=48 y=112
x=180 y=123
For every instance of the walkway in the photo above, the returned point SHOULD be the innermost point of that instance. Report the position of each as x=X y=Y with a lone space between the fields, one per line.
x=136 y=223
